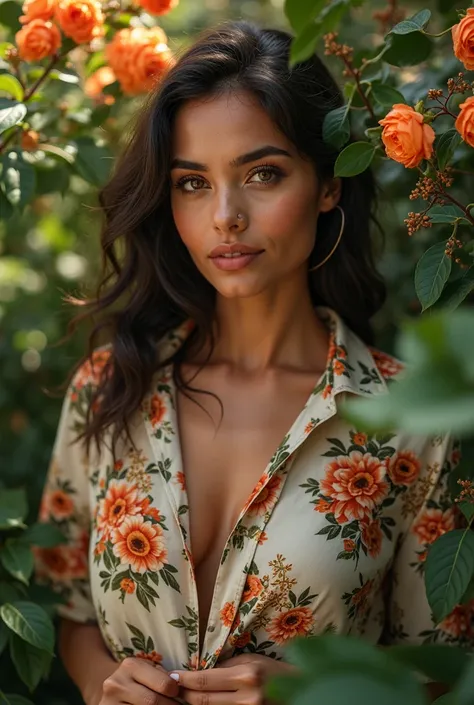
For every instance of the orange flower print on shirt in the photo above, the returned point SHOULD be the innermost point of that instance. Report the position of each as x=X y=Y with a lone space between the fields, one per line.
x=371 y=537
x=295 y=622
x=92 y=369
x=355 y=484
x=60 y=505
x=359 y=439
x=152 y=656
x=181 y=480
x=262 y=538
x=432 y=524
x=253 y=588
x=349 y=545
x=459 y=622
x=62 y=562
x=404 y=468
x=266 y=498
x=387 y=365
x=322 y=506
x=242 y=641
x=157 y=410
x=127 y=585
x=140 y=544
x=338 y=367
x=227 y=614
x=121 y=501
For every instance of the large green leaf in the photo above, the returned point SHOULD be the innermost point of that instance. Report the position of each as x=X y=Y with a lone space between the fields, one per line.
x=354 y=159
x=11 y=85
x=93 y=162
x=445 y=147
x=17 y=558
x=11 y=115
x=455 y=292
x=446 y=214
x=30 y=622
x=301 y=12
x=7 y=699
x=464 y=693
x=304 y=45
x=13 y=508
x=386 y=95
x=408 y=49
x=448 y=569
x=43 y=535
x=432 y=272
x=412 y=24
x=18 y=179
x=441 y=663
x=30 y=662
x=336 y=127
x=332 y=15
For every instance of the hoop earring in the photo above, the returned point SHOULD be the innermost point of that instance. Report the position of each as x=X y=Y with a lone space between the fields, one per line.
x=343 y=222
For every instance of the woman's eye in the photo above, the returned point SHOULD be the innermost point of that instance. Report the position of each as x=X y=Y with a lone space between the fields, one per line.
x=266 y=175
x=190 y=184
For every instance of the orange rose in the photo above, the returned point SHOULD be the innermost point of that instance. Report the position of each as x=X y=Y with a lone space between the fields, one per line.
x=139 y=57
x=37 y=40
x=463 y=40
x=95 y=84
x=465 y=120
x=158 y=7
x=37 y=10
x=407 y=139
x=81 y=20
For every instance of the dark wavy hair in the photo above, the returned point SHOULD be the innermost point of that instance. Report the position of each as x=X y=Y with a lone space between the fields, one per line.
x=149 y=283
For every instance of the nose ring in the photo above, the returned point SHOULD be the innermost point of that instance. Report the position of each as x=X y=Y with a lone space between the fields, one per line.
x=240 y=216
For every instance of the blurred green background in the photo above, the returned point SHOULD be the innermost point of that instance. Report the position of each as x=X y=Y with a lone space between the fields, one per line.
x=52 y=248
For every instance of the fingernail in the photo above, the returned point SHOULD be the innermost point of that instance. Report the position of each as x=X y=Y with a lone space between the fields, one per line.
x=174 y=676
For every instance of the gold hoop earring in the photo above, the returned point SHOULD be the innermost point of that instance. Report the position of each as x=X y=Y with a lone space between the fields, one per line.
x=343 y=222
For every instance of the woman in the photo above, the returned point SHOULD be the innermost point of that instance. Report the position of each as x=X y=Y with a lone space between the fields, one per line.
x=226 y=505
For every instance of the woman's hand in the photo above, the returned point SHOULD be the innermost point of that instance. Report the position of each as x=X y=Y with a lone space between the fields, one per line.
x=137 y=682
x=238 y=681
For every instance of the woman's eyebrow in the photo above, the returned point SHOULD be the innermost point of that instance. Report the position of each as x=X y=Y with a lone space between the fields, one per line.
x=266 y=151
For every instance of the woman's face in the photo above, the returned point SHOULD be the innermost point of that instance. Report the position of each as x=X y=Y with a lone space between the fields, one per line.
x=230 y=160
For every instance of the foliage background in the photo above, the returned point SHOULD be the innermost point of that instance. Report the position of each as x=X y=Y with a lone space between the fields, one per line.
x=52 y=248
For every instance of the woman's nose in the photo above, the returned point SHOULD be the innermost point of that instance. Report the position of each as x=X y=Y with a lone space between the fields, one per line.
x=229 y=217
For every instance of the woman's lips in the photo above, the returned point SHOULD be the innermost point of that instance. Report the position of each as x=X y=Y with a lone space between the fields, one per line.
x=235 y=262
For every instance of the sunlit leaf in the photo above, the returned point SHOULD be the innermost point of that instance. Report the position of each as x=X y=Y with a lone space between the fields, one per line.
x=12 y=86
x=301 y=12
x=17 y=559
x=304 y=45
x=412 y=24
x=11 y=116
x=30 y=622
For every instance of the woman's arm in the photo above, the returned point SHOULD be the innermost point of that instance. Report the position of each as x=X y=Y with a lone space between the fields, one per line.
x=86 y=658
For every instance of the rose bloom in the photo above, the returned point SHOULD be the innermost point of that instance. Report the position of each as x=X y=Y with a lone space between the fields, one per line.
x=97 y=81
x=139 y=57
x=407 y=139
x=38 y=39
x=81 y=20
x=158 y=7
x=463 y=40
x=465 y=120
x=37 y=10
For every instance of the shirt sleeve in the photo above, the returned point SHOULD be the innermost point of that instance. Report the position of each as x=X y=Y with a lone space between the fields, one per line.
x=65 y=504
x=433 y=513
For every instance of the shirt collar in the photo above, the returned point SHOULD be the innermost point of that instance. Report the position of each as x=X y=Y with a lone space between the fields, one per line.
x=351 y=366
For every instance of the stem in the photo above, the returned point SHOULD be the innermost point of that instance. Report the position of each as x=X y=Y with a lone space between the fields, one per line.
x=428 y=34
x=457 y=203
x=374 y=59
x=444 y=111
x=360 y=90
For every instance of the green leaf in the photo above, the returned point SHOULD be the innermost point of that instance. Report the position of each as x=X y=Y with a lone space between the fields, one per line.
x=446 y=214
x=10 y=592
x=336 y=127
x=408 y=49
x=7 y=699
x=412 y=24
x=17 y=559
x=92 y=162
x=386 y=95
x=13 y=508
x=445 y=147
x=11 y=85
x=333 y=14
x=449 y=567
x=455 y=292
x=64 y=76
x=11 y=12
x=12 y=115
x=30 y=622
x=463 y=694
x=301 y=12
x=4 y=636
x=432 y=272
x=18 y=178
x=354 y=159
x=43 y=535
x=441 y=663
x=30 y=662
x=6 y=208
x=304 y=45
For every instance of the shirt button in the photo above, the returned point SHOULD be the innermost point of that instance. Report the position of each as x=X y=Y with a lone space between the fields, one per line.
x=211 y=628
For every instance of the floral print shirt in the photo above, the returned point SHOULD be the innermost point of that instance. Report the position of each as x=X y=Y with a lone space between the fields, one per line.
x=333 y=536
